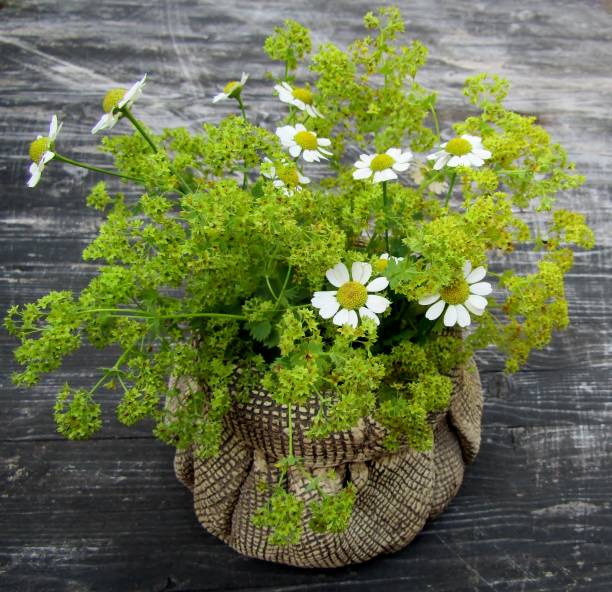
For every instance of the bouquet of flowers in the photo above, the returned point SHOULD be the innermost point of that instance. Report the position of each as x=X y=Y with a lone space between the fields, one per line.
x=337 y=261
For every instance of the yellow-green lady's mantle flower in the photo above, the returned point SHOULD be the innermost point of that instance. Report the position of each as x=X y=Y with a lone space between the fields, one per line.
x=298 y=97
x=352 y=295
x=465 y=151
x=467 y=294
x=115 y=99
x=232 y=89
x=300 y=141
x=41 y=151
x=382 y=167
x=287 y=178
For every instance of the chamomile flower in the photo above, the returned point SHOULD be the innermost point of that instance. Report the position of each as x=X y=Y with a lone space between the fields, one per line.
x=352 y=295
x=383 y=262
x=287 y=178
x=382 y=167
x=460 y=298
x=300 y=141
x=232 y=89
x=299 y=97
x=115 y=100
x=41 y=151
x=465 y=151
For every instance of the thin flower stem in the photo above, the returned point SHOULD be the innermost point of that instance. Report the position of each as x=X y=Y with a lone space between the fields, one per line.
x=241 y=105
x=270 y=288
x=151 y=143
x=450 y=188
x=435 y=119
x=284 y=287
x=96 y=169
x=385 y=208
x=139 y=128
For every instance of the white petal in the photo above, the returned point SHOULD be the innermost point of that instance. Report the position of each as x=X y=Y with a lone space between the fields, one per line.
x=400 y=167
x=426 y=300
x=308 y=155
x=337 y=275
x=353 y=319
x=362 y=174
x=377 y=284
x=365 y=160
x=46 y=157
x=476 y=275
x=394 y=153
x=53 y=127
x=286 y=133
x=295 y=150
x=302 y=179
x=405 y=156
x=454 y=161
x=435 y=310
x=35 y=173
x=361 y=272
x=473 y=309
x=484 y=154
x=450 y=316
x=342 y=317
x=300 y=128
x=244 y=78
x=481 y=288
x=377 y=303
x=386 y=175
x=299 y=104
x=320 y=298
x=441 y=162
x=219 y=97
x=476 y=301
x=366 y=313
x=323 y=141
x=324 y=151
x=329 y=309
x=463 y=316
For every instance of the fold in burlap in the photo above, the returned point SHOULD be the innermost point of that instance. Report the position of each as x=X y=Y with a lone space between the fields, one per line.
x=396 y=493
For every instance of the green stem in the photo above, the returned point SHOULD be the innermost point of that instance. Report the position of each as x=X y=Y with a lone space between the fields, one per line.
x=143 y=314
x=139 y=128
x=283 y=288
x=151 y=143
x=435 y=118
x=241 y=104
x=270 y=288
x=385 y=208
x=96 y=169
x=112 y=370
x=450 y=188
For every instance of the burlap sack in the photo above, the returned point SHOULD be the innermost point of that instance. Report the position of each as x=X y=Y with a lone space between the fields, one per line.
x=396 y=492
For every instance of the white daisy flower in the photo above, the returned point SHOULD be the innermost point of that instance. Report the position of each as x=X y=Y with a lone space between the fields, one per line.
x=382 y=166
x=464 y=151
x=299 y=97
x=287 y=178
x=300 y=141
x=383 y=261
x=437 y=187
x=467 y=294
x=116 y=99
x=352 y=295
x=232 y=89
x=41 y=151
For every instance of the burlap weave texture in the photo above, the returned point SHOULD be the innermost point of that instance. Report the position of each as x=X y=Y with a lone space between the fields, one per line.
x=396 y=492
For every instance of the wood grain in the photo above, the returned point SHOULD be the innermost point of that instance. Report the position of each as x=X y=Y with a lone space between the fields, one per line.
x=534 y=512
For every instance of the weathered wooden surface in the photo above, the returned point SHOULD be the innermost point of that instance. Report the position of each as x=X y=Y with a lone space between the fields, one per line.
x=534 y=512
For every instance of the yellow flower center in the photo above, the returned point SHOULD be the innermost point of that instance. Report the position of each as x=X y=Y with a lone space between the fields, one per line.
x=112 y=97
x=352 y=295
x=381 y=162
x=456 y=293
x=380 y=265
x=289 y=176
x=38 y=148
x=231 y=87
x=303 y=94
x=458 y=147
x=307 y=140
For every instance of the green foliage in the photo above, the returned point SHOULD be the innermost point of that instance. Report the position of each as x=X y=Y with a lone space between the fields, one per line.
x=283 y=515
x=206 y=276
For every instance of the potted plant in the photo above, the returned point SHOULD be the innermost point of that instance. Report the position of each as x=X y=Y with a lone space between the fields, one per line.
x=296 y=307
